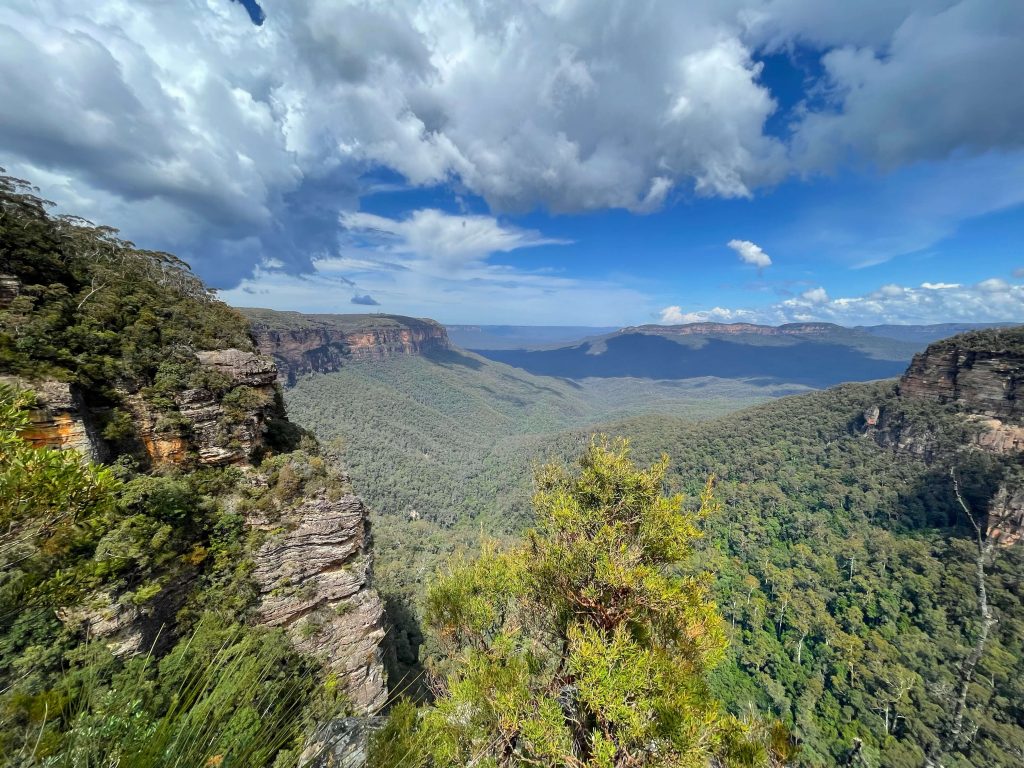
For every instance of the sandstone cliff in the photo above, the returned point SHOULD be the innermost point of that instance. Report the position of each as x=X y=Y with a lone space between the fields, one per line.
x=972 y=385
x=302 y=344
x=981 y=372
x=313 y=571
x=204 y=427
x=313 y=574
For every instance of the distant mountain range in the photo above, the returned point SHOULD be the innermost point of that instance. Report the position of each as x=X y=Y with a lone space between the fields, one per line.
x=520 y=336
x=812 y=354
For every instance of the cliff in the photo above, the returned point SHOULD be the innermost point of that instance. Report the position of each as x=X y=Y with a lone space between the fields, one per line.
x=313 y=572
x=313 y=575
x=199 y=427
x=960 y=394
x=980 y=372
x=302 y=344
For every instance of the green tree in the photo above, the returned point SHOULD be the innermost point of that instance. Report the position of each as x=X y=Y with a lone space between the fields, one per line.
x=586 y=645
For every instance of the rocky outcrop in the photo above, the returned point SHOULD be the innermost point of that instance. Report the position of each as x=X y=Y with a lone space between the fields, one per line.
x=213 y=429
x=314 y=580
x=10 y=287
x=60 y=419
x=981 y=372
x=302 y=344
x=341 y=743
x=977 y=378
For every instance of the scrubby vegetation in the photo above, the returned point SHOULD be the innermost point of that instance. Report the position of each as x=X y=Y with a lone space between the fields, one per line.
x=587 y=644
x=126 y=605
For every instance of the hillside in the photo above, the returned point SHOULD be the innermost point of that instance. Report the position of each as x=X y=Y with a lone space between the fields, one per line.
x=846 y=566
x=810 y=354
x=479 y=337
x=185 y=576
x=444 y=442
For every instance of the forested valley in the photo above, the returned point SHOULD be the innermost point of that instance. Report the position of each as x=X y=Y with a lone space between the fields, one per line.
x=845 y=567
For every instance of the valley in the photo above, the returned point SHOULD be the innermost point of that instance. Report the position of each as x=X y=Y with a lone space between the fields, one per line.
x=184 y=515
x=841 y=553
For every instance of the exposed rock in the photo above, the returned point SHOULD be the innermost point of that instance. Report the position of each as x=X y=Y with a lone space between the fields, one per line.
x=60 y=419
x=241 y=367
x=125 y=628
x=341 y=743
x=314 y=581
x=204 y=427
x=1005 y=520
x=101 y=616
x=302 y=344
x=998 y=436
x=981 y=372
x=10 y=287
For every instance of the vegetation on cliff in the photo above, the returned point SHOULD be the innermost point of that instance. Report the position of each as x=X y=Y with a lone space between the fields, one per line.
x=129 y=617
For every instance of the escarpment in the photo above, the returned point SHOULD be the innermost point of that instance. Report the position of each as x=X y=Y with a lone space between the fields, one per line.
x=981 y=372
x=186 y=427
x=302 y=344
x=313 y=574
x=963 y=394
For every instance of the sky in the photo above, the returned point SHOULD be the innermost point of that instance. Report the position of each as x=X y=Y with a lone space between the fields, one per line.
x=542 y=162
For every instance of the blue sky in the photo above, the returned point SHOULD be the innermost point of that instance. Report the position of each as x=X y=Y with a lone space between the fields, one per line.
x=542 y=162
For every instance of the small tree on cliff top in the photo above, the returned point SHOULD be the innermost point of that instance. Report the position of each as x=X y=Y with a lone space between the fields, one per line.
x=584 y=646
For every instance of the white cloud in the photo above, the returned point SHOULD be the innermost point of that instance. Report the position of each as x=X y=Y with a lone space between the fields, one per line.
x=992 y=300
x=994 y=285
x=750 y=253
x=675 y=316
x=435 y=264
x=928 y=80
x=195 y=130
x=450 y=240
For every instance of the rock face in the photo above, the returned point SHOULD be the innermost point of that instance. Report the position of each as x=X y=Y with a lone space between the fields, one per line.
x=314 y=579
x=314 y=570
x=212 y=429
x=983 y=372
x=60 y=419
x=302 y=344
x=10 y=287
x=980 y=376
x=341 y=743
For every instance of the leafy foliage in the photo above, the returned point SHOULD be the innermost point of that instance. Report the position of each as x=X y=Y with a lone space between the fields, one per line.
x=585 y=644
x=94 y=309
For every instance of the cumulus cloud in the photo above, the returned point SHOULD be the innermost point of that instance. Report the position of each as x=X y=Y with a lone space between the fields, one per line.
x=750 y=253
x=450 y=240
x=365 y=299
x=815 y=296
x=676 y=316
x=233 y=143
x=909 y=82
x=993 y=300
x=499 y=293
